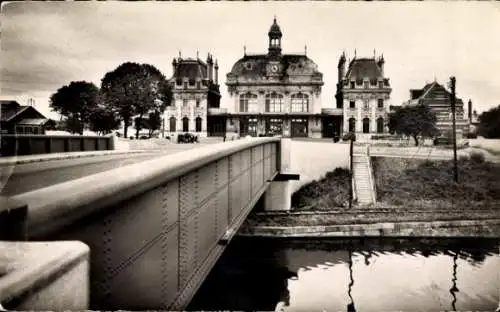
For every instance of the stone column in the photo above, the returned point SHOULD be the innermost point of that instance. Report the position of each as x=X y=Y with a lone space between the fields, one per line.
x=278 y=196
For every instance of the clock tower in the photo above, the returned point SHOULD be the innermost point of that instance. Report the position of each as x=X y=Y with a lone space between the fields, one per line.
x=275 y=40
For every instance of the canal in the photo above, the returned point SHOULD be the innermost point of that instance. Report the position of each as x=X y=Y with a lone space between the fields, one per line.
x=371 y=274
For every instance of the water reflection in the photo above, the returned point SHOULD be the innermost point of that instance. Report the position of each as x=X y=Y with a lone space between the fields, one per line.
x=354 y=275
x=350 y=306
x=454 y=289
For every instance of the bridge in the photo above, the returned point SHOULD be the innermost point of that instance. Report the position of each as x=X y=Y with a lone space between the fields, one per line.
x=139 y=237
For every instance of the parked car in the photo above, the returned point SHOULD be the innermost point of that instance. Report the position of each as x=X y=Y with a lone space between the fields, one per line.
x=187 y=138
x=443 y=141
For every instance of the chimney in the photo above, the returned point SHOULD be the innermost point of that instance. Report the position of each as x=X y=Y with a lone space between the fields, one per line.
x=216 y=73
x=341 y=67
x=380 y=64
x=209 y=67
x=470 y=109
x=174 y=67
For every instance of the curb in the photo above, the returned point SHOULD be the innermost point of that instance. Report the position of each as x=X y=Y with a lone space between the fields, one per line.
x=14 y=161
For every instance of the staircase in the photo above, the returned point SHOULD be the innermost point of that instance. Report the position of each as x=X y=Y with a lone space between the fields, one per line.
x=363 y=180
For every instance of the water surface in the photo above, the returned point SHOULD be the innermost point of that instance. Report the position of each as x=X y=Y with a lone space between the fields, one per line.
x=354 y=275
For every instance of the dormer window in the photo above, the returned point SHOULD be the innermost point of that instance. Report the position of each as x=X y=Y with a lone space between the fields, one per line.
x=352 y=85
x=179 y=82
x=191 y=82
x=381 y=84
x=359 y=82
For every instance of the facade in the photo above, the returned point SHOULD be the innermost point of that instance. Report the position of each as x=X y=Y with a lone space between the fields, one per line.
x=21 y=119
x=363 y=93
x=195 y=91
x=275 y=93
x=437 y=98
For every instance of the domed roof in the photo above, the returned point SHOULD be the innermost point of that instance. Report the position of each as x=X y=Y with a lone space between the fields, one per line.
x=291 y=65
x=275 y=30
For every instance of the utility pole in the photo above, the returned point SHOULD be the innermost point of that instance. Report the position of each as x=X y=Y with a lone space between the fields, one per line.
x=453 y=100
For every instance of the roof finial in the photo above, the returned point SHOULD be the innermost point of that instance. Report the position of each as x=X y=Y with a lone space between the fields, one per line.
x=275 y=18
x=305 y=49
x=245 y=50
x=180 y=54
x=197 y=54
x=374 y=53
x=354 y=53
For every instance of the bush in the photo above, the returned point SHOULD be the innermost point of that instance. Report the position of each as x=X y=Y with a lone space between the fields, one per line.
x=131 y=137
x=477 y=157
x=463 y=158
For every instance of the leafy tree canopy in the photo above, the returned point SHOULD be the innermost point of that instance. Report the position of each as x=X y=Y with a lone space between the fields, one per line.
x=103 y=120
x=415 y=121
x=75 y=101
x=134 y=89
x=489 y=123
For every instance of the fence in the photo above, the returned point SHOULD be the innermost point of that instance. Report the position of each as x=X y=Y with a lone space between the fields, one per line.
x=17 y=145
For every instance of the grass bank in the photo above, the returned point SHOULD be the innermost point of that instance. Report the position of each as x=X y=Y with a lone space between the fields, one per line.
x=331 y=191
x=425 y=183
x=408 y=190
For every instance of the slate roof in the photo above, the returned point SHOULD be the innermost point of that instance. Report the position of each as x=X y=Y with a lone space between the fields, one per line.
x=191 y=69
x=427 y=95
x=10 y=109
x=364 y=68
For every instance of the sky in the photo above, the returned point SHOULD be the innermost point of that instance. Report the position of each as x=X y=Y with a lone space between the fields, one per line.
x=46 y=45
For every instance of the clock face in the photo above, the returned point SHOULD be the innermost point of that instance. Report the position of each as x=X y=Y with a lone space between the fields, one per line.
x=274 y=68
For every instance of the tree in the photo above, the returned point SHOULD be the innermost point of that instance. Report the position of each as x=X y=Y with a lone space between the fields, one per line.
x=134 y=89
x=152 y=123
x=415 y=121
x=489 y=123
x=72 y=125
x=103 y=120
x=76 y=102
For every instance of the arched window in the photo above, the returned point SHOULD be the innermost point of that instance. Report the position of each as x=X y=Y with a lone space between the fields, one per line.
x=274 y=103
x=173 y=124
x=185 y=124
x=380 y=125
x=300 y=103
x=366 y=125
x=198 y=124
x=248 y=102
x=352 y=124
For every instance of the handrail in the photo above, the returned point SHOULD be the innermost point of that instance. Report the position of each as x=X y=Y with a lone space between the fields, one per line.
x=56 y=206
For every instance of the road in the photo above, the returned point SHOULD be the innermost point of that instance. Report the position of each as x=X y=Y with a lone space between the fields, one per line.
x=23 y=178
